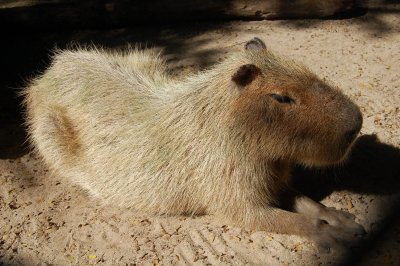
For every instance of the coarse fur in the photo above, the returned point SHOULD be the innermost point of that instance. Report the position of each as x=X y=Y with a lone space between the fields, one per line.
x=221 y=141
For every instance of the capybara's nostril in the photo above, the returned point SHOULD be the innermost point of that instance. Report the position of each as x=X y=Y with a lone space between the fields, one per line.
x=359 y=121
x=351 y=135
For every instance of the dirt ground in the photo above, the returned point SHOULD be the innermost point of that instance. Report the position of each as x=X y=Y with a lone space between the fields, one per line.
x=46 y=221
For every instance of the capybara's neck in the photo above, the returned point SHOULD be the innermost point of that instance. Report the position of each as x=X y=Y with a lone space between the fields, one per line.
x=199 y=117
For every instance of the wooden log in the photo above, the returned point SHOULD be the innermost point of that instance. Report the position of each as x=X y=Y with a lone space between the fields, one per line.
x=102 y=13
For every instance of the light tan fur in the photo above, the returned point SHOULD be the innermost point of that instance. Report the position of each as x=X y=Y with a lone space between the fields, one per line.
x=120 y=127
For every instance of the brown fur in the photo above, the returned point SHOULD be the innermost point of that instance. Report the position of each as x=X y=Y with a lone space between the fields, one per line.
x=66 y=134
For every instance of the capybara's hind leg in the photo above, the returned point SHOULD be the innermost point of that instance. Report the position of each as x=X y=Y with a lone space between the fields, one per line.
x=55 y=136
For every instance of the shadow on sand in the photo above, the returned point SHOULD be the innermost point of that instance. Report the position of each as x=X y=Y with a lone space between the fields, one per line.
x=372 y=168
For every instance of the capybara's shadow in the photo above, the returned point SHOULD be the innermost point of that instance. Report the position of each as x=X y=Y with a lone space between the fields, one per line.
x=13 y=137
x=373 y=167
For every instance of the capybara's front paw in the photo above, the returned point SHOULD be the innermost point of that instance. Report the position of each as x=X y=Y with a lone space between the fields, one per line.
x=343 y=220
x=336 y=229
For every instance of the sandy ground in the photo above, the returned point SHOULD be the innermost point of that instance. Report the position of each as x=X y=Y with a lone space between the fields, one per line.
x=46 y=221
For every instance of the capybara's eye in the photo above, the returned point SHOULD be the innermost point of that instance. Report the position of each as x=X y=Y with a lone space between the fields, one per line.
x=282 y=98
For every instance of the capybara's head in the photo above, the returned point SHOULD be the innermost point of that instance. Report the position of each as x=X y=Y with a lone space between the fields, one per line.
x=286 y=112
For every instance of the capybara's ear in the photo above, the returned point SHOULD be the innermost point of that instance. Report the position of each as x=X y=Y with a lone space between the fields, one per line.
x=245 y=74
x=255 y=44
